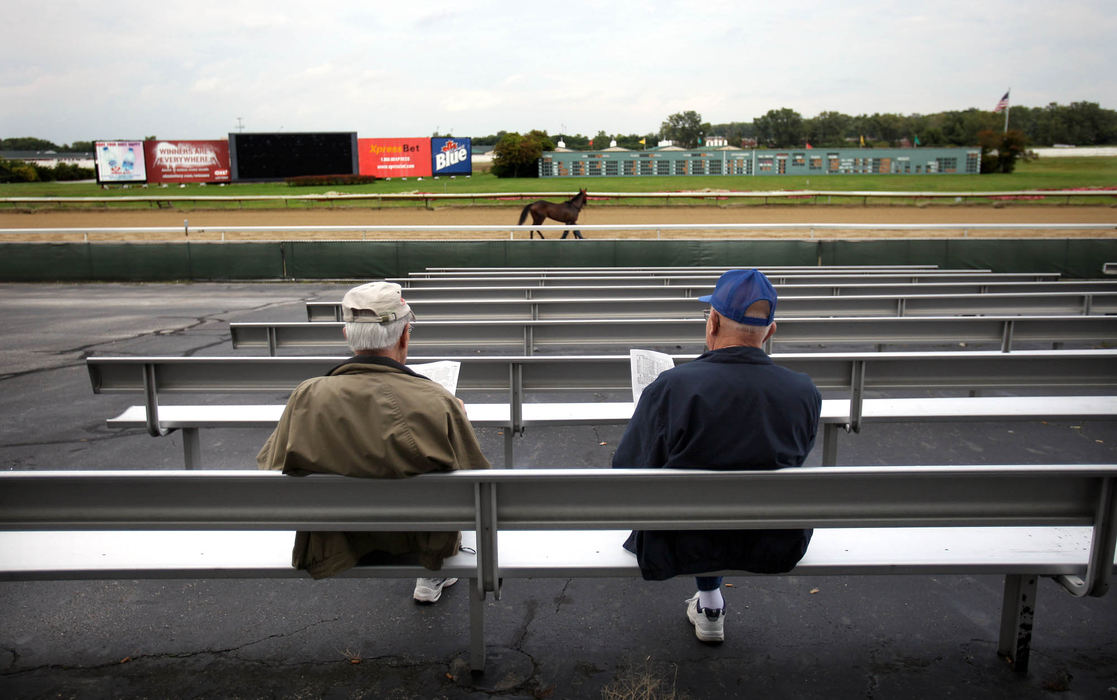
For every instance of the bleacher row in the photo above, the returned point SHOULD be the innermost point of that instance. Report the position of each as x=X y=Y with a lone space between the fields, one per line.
x=1019 y=522
x=528 y=362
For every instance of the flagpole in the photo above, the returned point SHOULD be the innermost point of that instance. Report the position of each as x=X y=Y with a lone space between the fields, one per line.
x=1007 y=108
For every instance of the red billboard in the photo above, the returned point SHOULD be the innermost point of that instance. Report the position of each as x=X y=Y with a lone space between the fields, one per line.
x=395 y=157
x=187 y=161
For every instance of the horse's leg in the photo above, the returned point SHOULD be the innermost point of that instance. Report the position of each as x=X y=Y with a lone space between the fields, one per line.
x=537 y=219
x=578 y=234
x=564 y=234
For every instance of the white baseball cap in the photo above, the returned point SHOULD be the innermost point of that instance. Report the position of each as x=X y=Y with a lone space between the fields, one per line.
x=375 y=302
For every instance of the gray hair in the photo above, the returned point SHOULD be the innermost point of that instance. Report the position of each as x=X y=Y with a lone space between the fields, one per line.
x=375 y=336
x=755 y=332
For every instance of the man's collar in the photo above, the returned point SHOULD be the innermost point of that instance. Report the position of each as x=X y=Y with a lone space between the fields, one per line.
x=738 y=352
x=375 y=360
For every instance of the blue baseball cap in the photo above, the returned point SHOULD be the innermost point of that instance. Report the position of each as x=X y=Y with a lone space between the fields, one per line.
x=737 y=290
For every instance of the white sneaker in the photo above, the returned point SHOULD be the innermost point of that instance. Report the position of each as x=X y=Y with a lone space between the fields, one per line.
x=709 y=625
x=429 y=590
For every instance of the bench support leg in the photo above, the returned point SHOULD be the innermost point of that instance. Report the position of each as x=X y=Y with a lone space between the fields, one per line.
x=476 y=628
x=509 y=436
x=192 y=448
x=830 y=444
x=1017 y=612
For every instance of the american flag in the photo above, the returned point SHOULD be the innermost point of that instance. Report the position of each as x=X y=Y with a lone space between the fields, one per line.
x=1002 y=105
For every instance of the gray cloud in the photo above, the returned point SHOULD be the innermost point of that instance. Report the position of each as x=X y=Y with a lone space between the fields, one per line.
x=76 y=71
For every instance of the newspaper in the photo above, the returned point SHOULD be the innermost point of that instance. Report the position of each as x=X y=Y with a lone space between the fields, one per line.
x=445 y=372
x=646 y=366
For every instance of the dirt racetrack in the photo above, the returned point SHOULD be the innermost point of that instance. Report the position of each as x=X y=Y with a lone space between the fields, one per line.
x=503 y=218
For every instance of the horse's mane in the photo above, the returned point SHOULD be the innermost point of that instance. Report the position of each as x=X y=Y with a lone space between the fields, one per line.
x=579 y=198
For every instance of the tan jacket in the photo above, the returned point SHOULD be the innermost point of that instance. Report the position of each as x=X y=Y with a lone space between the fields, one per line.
x=371 y=417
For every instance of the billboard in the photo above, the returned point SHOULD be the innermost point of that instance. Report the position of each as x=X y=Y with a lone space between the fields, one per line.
x=119 y=161
x=451 y=156
x=395 y=157
x=187 y=161
x=275 y=156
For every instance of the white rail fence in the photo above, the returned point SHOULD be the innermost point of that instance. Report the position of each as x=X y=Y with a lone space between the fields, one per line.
x=204 y=234
x=430 y=198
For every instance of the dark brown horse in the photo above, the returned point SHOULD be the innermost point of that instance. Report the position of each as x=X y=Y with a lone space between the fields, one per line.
x=567 y=213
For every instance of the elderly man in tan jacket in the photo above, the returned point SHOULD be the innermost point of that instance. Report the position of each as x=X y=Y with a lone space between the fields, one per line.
x=371 y=416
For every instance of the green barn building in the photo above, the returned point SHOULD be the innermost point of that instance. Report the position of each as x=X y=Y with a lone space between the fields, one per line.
x=791 y=161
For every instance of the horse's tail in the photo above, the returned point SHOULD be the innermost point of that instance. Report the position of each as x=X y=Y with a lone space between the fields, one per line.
x=523 y=214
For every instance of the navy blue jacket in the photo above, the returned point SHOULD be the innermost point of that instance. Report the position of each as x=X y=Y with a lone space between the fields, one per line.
x=729 y=409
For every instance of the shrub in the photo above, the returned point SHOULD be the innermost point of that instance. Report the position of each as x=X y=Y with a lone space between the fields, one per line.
x=320 y=180
x=1000 y=151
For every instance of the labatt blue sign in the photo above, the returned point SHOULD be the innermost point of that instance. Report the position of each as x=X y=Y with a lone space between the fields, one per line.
x=453 y=156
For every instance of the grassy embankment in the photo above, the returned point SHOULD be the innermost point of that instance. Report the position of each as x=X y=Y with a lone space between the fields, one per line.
x=1042 y=174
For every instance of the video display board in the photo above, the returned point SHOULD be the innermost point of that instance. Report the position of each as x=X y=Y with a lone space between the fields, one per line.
x=119 y=161
x=275 y=156
x=451 y=156
x=187 y=161
x=407 y=157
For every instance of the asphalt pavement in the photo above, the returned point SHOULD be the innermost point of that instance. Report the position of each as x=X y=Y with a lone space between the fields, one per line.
x=824 y=637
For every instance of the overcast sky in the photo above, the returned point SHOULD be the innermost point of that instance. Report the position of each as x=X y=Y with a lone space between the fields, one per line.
x=188 y=70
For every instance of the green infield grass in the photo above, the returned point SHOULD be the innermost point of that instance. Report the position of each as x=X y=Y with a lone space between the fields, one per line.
x=1040 y=174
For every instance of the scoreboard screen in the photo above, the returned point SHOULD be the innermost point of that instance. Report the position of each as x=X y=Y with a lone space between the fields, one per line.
x=275 y=156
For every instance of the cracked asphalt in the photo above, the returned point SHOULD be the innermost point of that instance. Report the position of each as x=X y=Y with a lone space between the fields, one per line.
x=828 y=637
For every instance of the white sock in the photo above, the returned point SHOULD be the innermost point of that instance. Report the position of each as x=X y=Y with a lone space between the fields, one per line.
x=711 y=599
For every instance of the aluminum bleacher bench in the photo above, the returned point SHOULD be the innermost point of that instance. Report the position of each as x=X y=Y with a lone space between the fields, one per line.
x=461 y=306
x=1019 y=522
x=654 y=269
x=529 y=383
x=526 y=337
x=190 y=420
x=322 y=310
x=709 y=278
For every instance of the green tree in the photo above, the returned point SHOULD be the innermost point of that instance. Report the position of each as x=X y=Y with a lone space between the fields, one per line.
x=632 y=141
x=18 y=171
x=515 y=155
x=887 y=127
x=80 y=147
x=27 y=143
x=685 y=129
x=781 y=128
x=828 y=129
x=1000 y=151
x=735 y=132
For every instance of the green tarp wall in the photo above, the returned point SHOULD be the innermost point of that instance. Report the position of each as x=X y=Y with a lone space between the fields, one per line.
x=135 y=262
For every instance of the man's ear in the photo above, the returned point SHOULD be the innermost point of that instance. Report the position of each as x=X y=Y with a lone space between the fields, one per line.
x=771 y=332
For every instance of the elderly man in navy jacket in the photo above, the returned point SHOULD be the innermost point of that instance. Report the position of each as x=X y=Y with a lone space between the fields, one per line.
x=731 y=408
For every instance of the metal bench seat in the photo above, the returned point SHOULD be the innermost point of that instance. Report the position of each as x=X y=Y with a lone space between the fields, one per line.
x=1018 y=521
x=190 y=419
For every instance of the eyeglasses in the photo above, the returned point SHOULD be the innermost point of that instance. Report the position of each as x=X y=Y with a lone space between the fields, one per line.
x=706 y=313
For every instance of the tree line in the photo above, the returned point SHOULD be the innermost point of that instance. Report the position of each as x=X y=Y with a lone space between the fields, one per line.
x=20 y=171
x=515 y=154
x=1079 y=124
x=30 y=143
